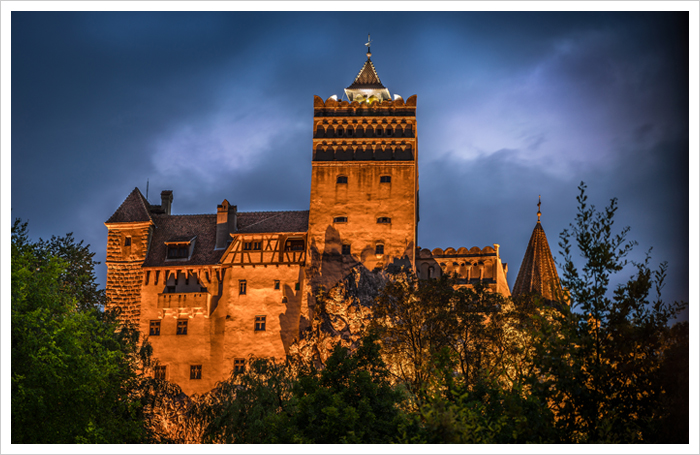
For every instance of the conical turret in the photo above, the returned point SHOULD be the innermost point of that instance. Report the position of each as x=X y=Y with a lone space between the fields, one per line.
x=367 y=87
x=538 y=272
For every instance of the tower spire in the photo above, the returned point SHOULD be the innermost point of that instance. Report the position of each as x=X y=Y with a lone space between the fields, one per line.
x=369 y=41
x=539 y=203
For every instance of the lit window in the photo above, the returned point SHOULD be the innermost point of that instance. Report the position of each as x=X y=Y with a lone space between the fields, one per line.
x=238 y=365
x=260 y=323
x=159 y=372
x=277 y=285
x=342 y=179
x=154 y=328
x=384 y=220
x=340 y=219
x=127 y=241
x=242 y=287
x=195 y=371
x=346 y=249
x=181 y=327
x=379 y=249
x=385 y=179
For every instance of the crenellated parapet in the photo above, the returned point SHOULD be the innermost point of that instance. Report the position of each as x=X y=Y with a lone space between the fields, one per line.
x=473 y=265
x=365 y=130
x=342 y=108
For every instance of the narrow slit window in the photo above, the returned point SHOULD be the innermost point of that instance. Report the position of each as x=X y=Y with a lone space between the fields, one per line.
x=195 y=371
x=154 y=328
x=242 y=287
x=181 y=327
x=277 y=285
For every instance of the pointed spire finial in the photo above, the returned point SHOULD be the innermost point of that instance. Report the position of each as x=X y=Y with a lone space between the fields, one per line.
x=369 y=41
x=539 y=203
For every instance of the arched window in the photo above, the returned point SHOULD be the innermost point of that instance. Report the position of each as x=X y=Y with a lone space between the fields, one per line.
x=431 y=272
x=342 y=179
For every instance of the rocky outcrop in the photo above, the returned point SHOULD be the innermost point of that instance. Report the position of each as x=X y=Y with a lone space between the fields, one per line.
x=341 y=315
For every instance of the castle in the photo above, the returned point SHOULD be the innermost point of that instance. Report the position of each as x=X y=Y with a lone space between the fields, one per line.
x=212 y=290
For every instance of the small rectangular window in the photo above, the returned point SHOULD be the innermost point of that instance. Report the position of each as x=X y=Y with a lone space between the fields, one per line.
x=294 y=245
x=277 y=285
x=340 y=219
x=249 y=246
x=127 y=241
x=385 y=179
x=159 y=372
x=296 y=286
x=260 y=323
x=154 y=328
x=195 y=371
x=178 y=251
x=242 y=287
x=238 y=365
x=342 y=179
x=182 y=327
x=384 y=220
x=379 y=249
x=346 y=249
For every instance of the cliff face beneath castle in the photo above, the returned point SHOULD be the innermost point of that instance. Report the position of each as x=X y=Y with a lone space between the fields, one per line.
x=341 y=314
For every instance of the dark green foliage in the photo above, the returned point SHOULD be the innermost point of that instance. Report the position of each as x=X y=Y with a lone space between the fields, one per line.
x=348 y=400
x=599 y=366
x=74 y=368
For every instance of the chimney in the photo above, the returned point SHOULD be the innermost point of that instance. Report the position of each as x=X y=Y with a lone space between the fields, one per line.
x=166 y=201
x=226 y=223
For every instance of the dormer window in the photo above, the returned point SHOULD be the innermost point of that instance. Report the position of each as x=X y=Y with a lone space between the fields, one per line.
x=177 y=252
x=179 y=249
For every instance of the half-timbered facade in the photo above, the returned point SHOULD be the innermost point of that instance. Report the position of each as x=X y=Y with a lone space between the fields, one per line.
x=212 y=290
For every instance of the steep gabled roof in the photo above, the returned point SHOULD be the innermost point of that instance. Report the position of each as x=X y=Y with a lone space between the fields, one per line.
x=135 y=208
x=538 y=272
x=178 y=228
x=259 y=222
x=367 y=77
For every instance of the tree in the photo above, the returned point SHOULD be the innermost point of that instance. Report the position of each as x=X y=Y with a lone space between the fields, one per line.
x=75 y=368
x=347 y=400
x=599 y=361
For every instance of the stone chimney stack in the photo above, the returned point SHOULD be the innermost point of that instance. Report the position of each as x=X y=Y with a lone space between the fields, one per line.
x=226 y=223
x=166 y=201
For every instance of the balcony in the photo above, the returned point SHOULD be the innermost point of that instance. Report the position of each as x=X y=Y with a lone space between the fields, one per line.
x=183 y=300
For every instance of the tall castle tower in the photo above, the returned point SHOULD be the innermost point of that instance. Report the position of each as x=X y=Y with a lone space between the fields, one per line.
x=364 y=181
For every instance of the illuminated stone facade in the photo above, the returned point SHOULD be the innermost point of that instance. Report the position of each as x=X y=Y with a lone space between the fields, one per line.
x=212 y=290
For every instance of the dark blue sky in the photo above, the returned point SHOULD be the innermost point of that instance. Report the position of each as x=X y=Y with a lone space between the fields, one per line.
x=219 y=105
